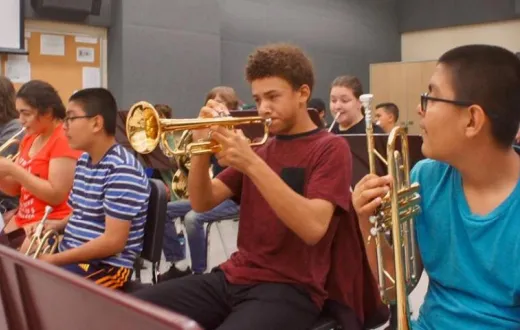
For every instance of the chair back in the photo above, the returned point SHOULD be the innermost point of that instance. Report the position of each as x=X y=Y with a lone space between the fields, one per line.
x=37 y=295
x=156 y=218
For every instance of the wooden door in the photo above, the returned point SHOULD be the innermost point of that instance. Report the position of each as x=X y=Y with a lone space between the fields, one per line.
x=401 y=83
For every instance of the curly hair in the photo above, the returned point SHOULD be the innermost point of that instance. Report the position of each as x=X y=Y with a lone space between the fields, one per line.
x=7 y=101
x=281 y=60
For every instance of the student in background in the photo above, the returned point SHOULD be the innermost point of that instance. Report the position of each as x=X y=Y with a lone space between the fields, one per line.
x=9 y=126
x=319 y=105
x=386 y=116
x=194 y=221
x=344 y=99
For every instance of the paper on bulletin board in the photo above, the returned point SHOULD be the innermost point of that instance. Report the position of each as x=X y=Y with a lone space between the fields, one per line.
x=91 y=77
x=18 y=71
x=86 y=40
x=85 y=54
x=51 y=44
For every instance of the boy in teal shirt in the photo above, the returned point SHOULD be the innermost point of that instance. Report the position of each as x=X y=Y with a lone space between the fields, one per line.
x=468 y=231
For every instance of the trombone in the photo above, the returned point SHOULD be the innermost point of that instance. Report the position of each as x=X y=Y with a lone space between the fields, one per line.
x=145 y=130
x=41 y=240
x=12 y=141
x=394 y=219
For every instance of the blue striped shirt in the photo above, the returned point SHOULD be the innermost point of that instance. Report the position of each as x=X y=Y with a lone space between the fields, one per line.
x=117 y=187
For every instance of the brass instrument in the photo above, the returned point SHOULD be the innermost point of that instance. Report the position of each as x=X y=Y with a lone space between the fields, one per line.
x=395 y=219
x=12 y=141
x=41 y=239
x=179 y=184
x=145 y=130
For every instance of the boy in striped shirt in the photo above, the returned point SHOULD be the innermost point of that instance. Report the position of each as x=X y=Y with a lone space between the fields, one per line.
x=109 y=197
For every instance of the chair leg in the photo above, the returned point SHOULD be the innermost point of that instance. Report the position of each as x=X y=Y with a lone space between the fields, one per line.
x=137 y=268
x=154 y=272
x=223 y=241
x=208 y=230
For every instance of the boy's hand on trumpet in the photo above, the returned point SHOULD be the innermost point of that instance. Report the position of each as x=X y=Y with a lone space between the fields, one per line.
x=212 y=109
x=368 y=194
x=236 y=151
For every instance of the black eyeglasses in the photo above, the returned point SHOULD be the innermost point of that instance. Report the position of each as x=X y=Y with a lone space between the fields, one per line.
x=425 y=98
x=68 y=119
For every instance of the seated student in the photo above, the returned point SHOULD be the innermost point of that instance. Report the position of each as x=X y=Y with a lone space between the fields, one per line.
x=294 y=194
x=104 y=234
x=319 y=105
x=9 y=126
x=344 y=100
x=467 y=232
x=43 y=173
x=194 y=221
x=386 y=116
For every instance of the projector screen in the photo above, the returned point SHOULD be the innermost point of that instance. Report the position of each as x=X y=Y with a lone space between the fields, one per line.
x=11 y=26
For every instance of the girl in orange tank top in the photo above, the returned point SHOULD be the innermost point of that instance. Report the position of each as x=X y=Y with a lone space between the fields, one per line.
x=44 y=171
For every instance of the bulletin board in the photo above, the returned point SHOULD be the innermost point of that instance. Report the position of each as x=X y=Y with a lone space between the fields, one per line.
x=68 y=61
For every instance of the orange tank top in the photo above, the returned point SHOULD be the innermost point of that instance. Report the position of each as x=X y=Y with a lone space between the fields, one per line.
x=31 y=209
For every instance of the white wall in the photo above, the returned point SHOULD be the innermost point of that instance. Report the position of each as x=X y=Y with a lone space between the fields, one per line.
x=431 y=44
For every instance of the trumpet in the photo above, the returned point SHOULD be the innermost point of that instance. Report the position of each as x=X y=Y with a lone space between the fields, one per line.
x=12 y=141
x=395 y=219
x=145 y=130
x=41 y=239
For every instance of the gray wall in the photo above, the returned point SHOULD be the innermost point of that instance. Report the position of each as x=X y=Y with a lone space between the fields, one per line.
x=341 y=36
x=164 y=51
x=417 y=15
x=174 y=51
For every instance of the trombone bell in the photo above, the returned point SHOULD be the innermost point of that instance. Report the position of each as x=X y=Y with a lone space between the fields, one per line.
x=145 y=130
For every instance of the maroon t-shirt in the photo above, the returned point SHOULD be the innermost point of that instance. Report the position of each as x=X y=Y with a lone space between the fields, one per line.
x=316 y=164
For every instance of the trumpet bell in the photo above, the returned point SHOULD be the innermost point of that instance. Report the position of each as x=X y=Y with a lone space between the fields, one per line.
x=143 y=127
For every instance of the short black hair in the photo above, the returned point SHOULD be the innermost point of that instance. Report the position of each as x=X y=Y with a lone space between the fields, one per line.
x=488 y=76
x=43 y=97
x=391 y=108
x=98 y=101
x=317 y=103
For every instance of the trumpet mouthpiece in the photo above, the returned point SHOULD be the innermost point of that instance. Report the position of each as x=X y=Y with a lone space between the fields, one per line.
x=366 y=98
